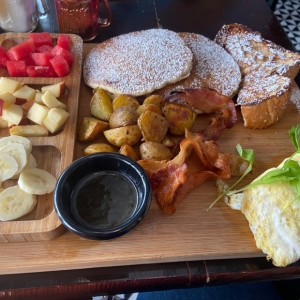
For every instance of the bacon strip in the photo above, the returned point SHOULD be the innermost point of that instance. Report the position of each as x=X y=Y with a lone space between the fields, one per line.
x=205 y=100
x=171 y=181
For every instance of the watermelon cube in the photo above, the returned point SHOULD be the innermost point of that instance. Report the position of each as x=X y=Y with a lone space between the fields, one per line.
x=22 y=50
x=64 y=41
x=41 y=59
x=16 y=68
x=60 y=66
x=41 y=38
x=40 y=71
x=67 y=55
x=3 y=57
x=44 y=48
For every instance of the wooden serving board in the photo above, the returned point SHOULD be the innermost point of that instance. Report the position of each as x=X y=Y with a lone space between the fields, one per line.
x=53 y=153
x=192 y=233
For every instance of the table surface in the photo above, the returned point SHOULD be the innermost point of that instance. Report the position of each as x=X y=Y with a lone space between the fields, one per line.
x=204 y=17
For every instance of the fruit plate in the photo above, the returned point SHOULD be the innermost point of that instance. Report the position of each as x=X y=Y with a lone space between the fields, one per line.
x=53 y=152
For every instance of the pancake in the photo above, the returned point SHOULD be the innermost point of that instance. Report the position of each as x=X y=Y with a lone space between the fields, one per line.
x=213 y=67
x=138 y=63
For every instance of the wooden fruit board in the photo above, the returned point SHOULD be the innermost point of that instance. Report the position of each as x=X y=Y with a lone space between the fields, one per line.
x=192 y=233
x=53 y=153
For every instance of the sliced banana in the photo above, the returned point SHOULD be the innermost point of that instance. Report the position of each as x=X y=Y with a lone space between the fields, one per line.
x=18 y=140
x=18 y=152
x=15 y=203
x=8 y=166
x=36 y=181
x=31 y=163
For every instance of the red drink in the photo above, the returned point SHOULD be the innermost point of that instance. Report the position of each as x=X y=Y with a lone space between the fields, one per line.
x=81 y=17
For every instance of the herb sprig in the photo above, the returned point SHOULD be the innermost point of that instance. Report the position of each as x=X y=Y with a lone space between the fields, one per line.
x=289 y=171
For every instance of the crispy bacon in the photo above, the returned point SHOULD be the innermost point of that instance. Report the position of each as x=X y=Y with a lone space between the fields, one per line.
x=207 y=101
x=171 y=181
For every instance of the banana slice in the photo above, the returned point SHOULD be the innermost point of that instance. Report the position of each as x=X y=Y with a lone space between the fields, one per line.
x=36 y=181
x=18 y=140
x=31 y=163
x=8 y=166
x=15 y=203
x=18 y=152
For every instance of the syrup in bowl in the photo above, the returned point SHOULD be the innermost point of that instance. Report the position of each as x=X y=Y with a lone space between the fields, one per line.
x=104 y=200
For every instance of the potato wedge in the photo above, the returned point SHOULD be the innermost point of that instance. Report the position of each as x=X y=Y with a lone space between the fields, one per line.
x=156 y=151
x=125 y=100
x=129 y=152
x=120 y=136
x=101 y=105
x=153 y=126
x=181 y=117
x=90 y=129
x=155 y=99
x=149 y=106
x=98 y=148
x=123 y=116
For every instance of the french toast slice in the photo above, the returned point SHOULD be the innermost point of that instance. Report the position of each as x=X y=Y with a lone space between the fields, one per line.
x=267 y=70
x=263 y=100
x=254 y=53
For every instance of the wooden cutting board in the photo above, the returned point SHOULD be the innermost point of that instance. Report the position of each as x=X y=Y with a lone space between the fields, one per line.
x=192 y=233
x=53 y=153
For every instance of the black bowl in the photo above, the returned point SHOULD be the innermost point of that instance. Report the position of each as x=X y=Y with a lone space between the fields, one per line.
x=102 y=196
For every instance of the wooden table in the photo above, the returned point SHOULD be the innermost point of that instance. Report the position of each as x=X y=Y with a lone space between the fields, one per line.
x=50 y=278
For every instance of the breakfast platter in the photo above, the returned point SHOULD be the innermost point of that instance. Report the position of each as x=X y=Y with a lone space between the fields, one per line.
x=192 y=233
x=53 y=152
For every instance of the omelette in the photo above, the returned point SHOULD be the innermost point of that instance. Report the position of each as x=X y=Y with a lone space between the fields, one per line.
x=271 y=204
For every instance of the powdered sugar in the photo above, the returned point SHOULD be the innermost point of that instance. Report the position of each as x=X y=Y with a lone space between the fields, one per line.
x=252 y=52
x=256 y=89
x=138 y=63
x=213 y=67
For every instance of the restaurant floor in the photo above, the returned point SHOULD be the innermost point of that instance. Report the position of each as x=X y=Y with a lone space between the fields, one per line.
x=288 y=14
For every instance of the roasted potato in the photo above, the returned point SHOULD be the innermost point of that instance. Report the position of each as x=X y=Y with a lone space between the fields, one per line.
x=101 y=105
x=125 y=100
x=179 y=116
x=123 y=116
x=155 y=99
x=129 y=152
x=98 y=148
x=90 y=129
x=130 y=135
x=156 y=151
x=153 y=126
x=149 y=106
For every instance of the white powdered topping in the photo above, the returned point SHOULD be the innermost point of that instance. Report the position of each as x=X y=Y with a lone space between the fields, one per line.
x=138 y=63
x=295 y=95
x=253 y=52
x=213 y=67
x=256 y=89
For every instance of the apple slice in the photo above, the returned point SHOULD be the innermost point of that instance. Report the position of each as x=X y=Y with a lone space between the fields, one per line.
x=25 y=92
x=13 y=114
x=7 y=98
x=55 y=119
x=37 y=113
x=9 y=85
x=51 y=101
x=57 y=89
x=3 y=123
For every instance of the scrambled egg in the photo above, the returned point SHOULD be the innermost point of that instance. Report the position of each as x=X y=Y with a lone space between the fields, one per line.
x=273 y=213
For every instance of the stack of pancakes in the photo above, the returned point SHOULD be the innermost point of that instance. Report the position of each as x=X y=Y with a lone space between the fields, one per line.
x=160 y=60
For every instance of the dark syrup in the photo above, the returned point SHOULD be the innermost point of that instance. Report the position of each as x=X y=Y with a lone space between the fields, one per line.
x=104 y=200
